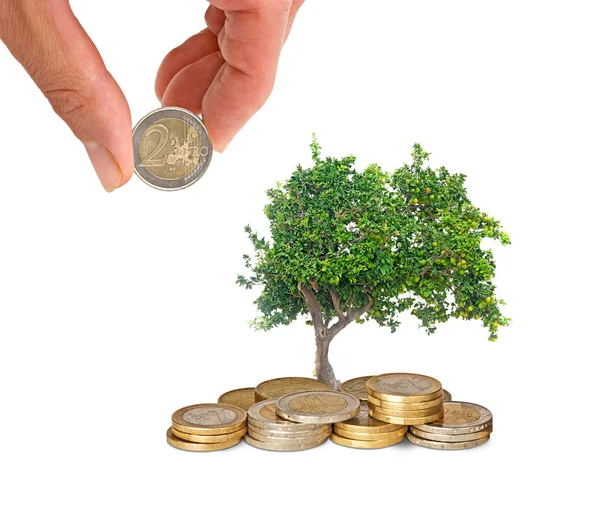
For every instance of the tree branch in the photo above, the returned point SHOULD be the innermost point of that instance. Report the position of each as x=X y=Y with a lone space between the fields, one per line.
x=335 y=297
x=314 y=308
x=341 y=324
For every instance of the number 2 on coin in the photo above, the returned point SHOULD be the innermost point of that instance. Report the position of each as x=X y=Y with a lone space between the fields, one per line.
x=163 y=133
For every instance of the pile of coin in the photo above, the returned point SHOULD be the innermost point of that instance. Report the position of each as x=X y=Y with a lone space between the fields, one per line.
x=464 y=425
x=405 y=398
x=297 y=413
x=268 y=431
x=364 y=432
x=207 y=427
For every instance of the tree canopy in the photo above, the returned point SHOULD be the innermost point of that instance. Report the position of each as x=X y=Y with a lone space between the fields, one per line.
x=371 y=245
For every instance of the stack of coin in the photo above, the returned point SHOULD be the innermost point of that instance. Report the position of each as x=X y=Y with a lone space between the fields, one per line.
x=207 y=427
x=405 y=398
x=277 y=388
x=268 y=431
x=358 y=388
x=463 y=426
x=242 y=398
x=364 y=432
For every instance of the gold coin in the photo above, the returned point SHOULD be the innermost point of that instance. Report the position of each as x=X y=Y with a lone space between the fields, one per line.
x=356 y=387
x=209 y=419
x=263 y=415
x=171 y=148
x=447 y=396
x=398 y=406
x=277 y=388
x=282 y=446
x=460 y=418
x=369 y=436
x=363 y=423
x=214 y=438
x=365 y=444
x=198 y=447
x=408 y=414
x=289 y=434
x=404 y=387
x=450 y=437
x=242 y=398
x=307 y=440
x=317 y=407
x=446 y=445
x=405 y=420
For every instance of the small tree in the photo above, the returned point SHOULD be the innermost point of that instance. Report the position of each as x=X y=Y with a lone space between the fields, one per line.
x=356 y=246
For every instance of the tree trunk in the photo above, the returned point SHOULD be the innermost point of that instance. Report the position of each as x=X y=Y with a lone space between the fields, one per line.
x=324 y=369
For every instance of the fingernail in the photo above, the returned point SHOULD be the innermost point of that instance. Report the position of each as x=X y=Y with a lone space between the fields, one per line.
x=105 y=165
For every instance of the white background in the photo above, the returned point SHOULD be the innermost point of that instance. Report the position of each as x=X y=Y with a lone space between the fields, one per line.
x=117 y=309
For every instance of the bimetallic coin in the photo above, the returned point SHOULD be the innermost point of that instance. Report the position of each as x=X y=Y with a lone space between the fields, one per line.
x=365 y=444
x=242 y=398
x=398 y=406
x=263 y=415
x=446 y=445
x=404 y=387
x=370 y=436
x=171 y=148
x=281 y=435
x=209 y=419
x=317 y=407
x=363 y=423
x=447 y=396
x=450 y=437
x=213 y=438
x=409 y=414
x=306 y=440
x=277 y=388
x=405 y=420
x=356 y=387
x=198 y=447
x=460 y=418
x=282 y=446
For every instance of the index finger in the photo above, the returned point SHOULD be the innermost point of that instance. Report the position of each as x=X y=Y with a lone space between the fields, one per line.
x=250 y=42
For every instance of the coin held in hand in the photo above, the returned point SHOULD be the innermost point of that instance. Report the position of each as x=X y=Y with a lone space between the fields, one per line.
x=171 y=148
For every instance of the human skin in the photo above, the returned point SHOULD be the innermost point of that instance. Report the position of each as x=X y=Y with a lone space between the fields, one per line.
x=225 y=72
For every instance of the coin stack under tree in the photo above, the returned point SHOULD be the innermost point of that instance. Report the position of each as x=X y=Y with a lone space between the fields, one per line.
x=268 y=431
x=364 y=432
x=405 y=398
x=358 y=388
x=207 y=427
x=463 y=426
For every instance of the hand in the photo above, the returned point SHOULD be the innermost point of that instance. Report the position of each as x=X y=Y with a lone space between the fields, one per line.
x=226 y=72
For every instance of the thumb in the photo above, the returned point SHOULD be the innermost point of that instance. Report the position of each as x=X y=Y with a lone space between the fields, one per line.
x=57 y=53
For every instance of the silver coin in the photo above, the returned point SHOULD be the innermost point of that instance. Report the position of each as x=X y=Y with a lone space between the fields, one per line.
x=449 y=446
x=306 y=440
x=171 y=148
x=282 y=435
x=263 y=415
x=283 y=446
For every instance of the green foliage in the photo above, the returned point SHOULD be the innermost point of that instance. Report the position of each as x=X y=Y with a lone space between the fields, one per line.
x=407 y=241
